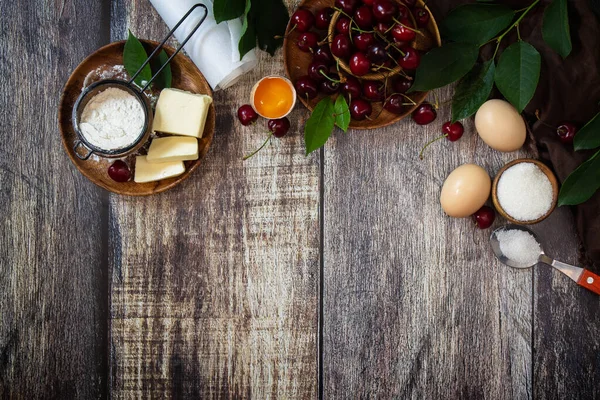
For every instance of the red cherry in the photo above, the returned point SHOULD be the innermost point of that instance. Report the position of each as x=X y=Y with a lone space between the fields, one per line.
x=323 y=18
x=368 y=2
x=303 y=19
x=359 y=64
x=347 y=6
x=306 y=87
x=363 y=16
x=403 y=12
x=374 y=90
x=362 y=41
x=422 y=16
x=323 y=54
x=566 y=132
x=247 y=115
x=424 y=114
x=401 y=85
x=352 y=88
x=343 y=25
x=453 y=131
x=279 y=126
x=484 y=217
x=316 y=69
x=384 y=10
x=383 y=27
x=394 y=104
x=341 y=46
x=410 y=3
x=377 y=53
x=403 y=32
x=119 y=171
x=360 y=109
x=411 y=58
x=308 y=41
x=332 y=85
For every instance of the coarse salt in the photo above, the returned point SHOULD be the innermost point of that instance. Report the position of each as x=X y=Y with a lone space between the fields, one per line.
x=112 y=120
x=519 y=246
x=525 y=192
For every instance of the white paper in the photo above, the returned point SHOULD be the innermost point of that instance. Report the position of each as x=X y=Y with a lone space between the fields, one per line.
x=213 y=48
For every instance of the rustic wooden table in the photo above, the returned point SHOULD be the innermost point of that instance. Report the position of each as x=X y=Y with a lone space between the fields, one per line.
x=334 y=275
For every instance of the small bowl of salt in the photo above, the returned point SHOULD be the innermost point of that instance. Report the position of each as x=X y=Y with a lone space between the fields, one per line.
x=525 y=191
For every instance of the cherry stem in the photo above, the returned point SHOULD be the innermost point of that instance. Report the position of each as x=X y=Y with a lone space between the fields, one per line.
x=358 y=29
x=514 y=25
x=328 y=78
x=393 y=59
x=537 y=115
x=378 y=67
x=351 y=22
x=287 y=34
x=260 y=148
x=390 y=43
x=429 y=143
x=408 y=27
x=437 y=100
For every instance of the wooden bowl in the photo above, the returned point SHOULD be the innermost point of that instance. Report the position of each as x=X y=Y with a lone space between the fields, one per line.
x=186 y=76
x=545 y=170
x=296 y=64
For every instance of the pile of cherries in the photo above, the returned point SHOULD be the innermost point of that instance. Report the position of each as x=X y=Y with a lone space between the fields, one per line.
x=370 y=36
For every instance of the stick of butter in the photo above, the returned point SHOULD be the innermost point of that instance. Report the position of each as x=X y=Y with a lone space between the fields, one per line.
x=181 y=113
x=173 y=148
x=147 y=172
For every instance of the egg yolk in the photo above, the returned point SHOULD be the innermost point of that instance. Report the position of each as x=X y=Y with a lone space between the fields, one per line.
x=273 y=98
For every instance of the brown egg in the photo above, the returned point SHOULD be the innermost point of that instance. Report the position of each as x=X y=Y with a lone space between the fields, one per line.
x=500 y=125
x=465 y=190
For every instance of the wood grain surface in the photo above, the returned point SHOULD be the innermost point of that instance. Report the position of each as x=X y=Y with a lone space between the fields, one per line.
x=222 y=300
x=415 y=305
x=330 y=276
x=53 y=275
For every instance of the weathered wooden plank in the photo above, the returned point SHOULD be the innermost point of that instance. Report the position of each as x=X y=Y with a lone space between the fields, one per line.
x=566 y=344
x=415 y=305
x=215 y=283
x=53 y=265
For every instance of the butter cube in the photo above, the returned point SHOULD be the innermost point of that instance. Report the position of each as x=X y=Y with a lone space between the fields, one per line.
x=173 y=148
x=181 y=113
x=147 y=172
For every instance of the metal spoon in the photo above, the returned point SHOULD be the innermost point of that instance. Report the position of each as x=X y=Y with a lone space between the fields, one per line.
x=582 y=276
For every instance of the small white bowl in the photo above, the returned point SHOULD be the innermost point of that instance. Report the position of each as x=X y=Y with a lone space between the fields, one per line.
x=291 y=85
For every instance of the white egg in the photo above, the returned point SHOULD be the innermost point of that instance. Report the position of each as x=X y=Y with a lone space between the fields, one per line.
x=465 y=190
x=500 y=125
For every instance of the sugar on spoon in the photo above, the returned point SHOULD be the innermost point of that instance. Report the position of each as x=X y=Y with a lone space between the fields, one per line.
x=518 y=247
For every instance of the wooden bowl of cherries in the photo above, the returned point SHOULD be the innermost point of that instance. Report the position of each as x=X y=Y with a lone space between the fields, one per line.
x=365 y=50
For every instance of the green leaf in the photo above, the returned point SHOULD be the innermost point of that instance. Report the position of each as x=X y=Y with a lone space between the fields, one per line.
x=342 y=113
x=134 y=55
x=444 y=65
x=476 y=23
x=555 y=28
x=164 y=79
x=518 y=73
x=271 y=18
x=224 y=10
x=588 y=137
x=581 y=185
x=248 y=39
x=473 y=90
x=319 y=126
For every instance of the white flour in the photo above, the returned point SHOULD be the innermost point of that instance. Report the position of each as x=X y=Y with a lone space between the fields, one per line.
x=113 y=119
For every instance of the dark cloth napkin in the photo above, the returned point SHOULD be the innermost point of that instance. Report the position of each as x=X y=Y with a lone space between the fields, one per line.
x=568 y=90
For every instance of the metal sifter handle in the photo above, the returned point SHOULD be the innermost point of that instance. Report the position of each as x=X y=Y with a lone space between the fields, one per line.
x=156 y=50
